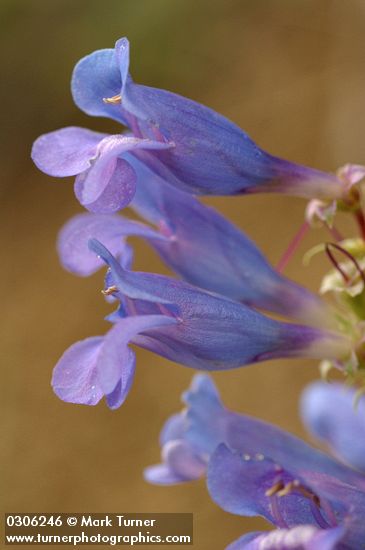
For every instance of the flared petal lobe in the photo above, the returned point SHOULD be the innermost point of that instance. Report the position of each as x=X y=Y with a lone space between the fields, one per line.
x=187 y=439
x=73 y=239
x=102 y=366
x=75 y=377
x=66 y=152
x=96 y=77
x=110 y=184
x=105 y=182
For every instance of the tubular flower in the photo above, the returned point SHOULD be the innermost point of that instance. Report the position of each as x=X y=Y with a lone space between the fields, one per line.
x=196 y=242
x=190 y=326
x=254 y=468
x=190 y=145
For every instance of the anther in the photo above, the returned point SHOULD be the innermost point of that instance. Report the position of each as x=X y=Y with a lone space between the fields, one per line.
x=115 y=100
x=296 y=485
x=110 y=290
x=275 y=489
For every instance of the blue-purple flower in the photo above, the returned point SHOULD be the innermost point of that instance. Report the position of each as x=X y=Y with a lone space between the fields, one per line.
x=211 y=319
x=188 y=144
x=183 y=323
x=199 y=244
x=254 y=468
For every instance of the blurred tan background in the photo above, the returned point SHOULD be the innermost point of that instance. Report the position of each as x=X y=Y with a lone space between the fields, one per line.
x=292 y=74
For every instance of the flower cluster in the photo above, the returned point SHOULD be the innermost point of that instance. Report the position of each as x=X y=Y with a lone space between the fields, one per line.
x=217 y=313
x=255 y=469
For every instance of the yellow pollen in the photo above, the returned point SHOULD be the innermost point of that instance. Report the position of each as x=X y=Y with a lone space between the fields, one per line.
x=274 y=489
x=113 y=100
x=287 y=489
x=292 y=485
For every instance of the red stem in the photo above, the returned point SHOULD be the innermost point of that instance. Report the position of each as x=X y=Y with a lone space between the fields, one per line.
x=292 y=247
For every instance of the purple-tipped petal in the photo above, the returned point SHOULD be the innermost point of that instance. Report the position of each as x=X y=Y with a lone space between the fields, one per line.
x=302 y=537
x=66 y=152
x=73 y=239
x=330 y=413
x=75 y=378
